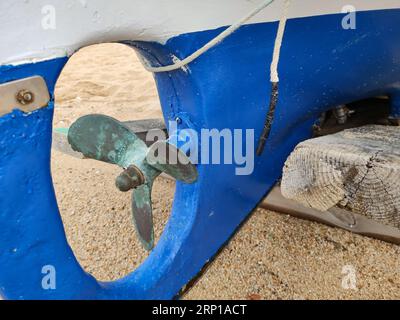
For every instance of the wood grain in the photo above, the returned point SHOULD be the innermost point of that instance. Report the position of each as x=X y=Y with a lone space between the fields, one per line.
x=356 y=169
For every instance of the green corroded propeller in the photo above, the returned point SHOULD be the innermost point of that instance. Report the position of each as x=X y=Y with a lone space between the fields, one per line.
x=105 y=139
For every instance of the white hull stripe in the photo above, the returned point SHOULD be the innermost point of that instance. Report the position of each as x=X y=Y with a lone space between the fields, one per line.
x=43 y=29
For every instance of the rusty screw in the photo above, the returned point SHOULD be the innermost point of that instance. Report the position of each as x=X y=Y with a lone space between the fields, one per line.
x=25 y=97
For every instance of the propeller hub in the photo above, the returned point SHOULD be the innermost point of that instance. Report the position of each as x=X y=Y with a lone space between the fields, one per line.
x=130 y=179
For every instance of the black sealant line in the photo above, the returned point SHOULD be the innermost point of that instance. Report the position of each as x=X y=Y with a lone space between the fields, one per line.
x=270 y=118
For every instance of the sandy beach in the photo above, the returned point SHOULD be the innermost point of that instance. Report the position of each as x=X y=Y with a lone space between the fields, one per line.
x=273 y=256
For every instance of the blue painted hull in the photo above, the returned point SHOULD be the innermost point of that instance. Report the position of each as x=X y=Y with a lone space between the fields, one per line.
x=321 y=66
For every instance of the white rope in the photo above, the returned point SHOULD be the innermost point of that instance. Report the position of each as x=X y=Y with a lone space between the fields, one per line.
x=226 y=33
x=278 y=42
x=274 y=79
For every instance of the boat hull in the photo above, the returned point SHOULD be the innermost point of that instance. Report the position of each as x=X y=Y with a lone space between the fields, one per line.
x=321 y=66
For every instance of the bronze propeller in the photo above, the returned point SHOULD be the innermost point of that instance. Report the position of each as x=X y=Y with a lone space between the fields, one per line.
x=106 y=139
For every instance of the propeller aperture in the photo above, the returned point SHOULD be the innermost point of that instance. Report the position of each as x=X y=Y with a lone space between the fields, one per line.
x=103 y=138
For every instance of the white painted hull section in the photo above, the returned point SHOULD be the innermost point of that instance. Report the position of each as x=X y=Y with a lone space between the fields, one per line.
x=83 y=22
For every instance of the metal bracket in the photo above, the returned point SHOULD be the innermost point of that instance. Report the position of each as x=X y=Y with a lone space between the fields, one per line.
x=27 y=95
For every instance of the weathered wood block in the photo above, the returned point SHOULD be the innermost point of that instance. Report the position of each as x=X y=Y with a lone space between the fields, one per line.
x=356 y=169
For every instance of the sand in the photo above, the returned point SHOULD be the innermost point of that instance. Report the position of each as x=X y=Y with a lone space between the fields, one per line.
x=273 y=256
x=106 y=79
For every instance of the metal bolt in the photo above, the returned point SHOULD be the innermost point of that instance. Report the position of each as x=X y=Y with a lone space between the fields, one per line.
x=341 y=114
x=178 y=120
x=25 y=97
x=130 y=179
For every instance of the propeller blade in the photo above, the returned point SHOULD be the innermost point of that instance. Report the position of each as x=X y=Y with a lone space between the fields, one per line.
x=103 y=138
x=143 y=215
x=169 y=159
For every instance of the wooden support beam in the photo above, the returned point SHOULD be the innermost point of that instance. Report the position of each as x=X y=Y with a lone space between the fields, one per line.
x=357 y=170
x=334 y=217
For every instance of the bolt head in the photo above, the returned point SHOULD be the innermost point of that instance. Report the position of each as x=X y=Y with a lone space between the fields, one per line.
x=25 y=97
x=124 y=182
x=130 y=179
x=178 y=120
